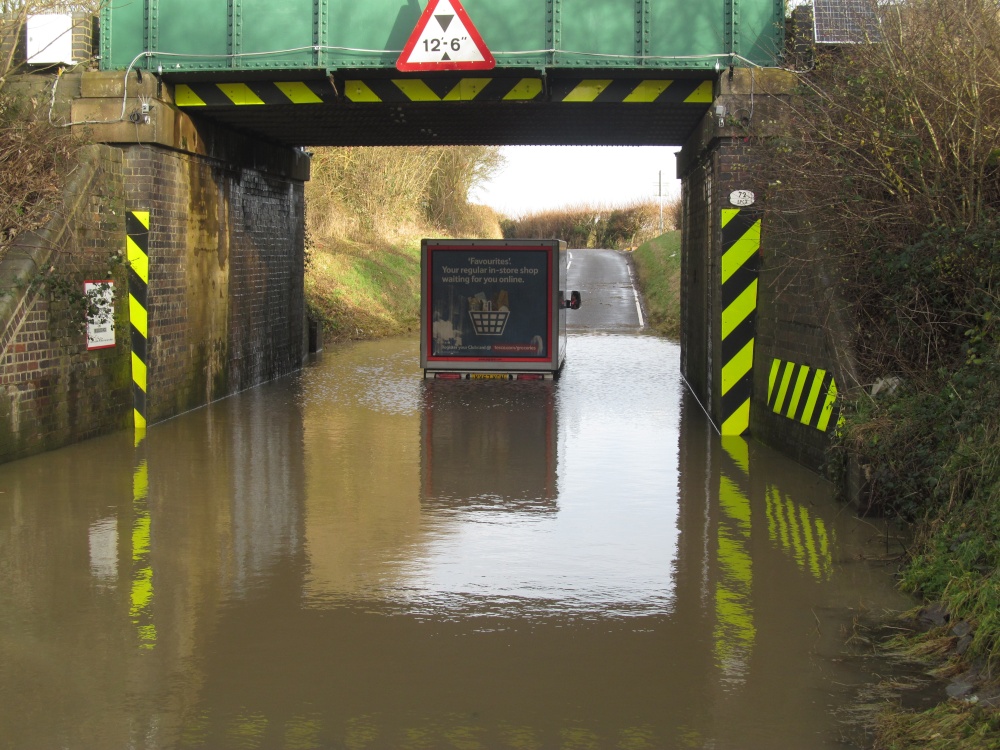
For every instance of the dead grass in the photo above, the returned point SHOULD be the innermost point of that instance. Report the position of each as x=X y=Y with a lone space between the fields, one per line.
x=592 y=225
x=366 y=211
x=363 y=290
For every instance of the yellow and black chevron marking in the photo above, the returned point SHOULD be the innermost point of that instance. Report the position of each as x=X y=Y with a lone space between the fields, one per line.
x=802 y=393
x=740 y=268
x=137 y=253
x=735 y=632
x=253 y=93
x=445 y=89
x=633 y=91
x=141 y=595
x=449 y=89
x=794 y=530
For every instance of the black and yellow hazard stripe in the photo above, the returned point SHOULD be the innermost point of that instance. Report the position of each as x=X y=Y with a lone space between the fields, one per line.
x=137 y=253
x=807 y=395
x=740 y=269
x=443 y=89
x=481 y=89
x=446 y=89
x=141 y=594
x=253 y=93
x=603 y=90
x=735 y=632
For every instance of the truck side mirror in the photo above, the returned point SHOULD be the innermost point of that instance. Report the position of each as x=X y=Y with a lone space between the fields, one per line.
x=574 y=300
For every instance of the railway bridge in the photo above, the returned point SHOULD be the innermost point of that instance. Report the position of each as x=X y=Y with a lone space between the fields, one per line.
x=206 y=110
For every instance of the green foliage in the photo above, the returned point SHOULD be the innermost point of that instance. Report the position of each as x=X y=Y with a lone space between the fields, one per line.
x=365 y=209
x=924 y=304
x=658 y=267
x=949 y=726
x=888 y=166
x=362 y=291
x=931 y=449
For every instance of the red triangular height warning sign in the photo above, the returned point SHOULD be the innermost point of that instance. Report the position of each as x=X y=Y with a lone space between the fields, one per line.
x=445 y=39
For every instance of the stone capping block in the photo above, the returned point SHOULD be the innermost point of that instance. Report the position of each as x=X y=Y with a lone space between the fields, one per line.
x=769 y=89
x=98 y=109
x=111 y=84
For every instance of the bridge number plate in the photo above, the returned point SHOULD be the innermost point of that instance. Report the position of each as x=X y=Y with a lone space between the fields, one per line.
x=742 y=198
x=445 y=39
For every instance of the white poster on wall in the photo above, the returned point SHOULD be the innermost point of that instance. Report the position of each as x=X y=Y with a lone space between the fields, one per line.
x=100 y=314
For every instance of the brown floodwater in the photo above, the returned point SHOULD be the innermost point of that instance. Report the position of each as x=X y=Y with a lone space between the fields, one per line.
x=355 y=558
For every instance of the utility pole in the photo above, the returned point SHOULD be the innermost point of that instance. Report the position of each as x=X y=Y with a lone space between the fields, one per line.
x=660 y=194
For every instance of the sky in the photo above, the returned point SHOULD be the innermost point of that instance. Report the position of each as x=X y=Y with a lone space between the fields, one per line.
x=538 y=178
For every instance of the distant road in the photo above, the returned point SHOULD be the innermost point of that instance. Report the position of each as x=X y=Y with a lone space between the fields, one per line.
x=609 y=298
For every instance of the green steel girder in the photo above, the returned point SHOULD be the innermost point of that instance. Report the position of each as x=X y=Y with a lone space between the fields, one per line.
x=326 y=36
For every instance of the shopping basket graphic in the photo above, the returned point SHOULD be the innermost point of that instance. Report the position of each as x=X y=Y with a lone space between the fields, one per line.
x=489 y=322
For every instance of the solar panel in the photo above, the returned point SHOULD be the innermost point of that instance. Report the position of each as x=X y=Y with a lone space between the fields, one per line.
x=845 y=21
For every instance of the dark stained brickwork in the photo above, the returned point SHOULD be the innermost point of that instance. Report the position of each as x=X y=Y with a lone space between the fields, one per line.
x=55 y=391
x=797 y=316
x=227 y=306
x=226 y=296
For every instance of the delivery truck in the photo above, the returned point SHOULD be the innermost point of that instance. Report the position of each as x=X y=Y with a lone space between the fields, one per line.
x=493 y=309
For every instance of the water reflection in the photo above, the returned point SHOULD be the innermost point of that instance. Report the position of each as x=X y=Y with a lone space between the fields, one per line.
x=142 y=570
x=489 y=446
x=735 y=633
x=357 y=558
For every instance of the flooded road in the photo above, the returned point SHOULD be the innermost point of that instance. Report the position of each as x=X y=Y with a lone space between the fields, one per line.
x=356 y=558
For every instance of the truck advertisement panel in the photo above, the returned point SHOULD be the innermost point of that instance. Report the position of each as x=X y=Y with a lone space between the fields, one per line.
x=489 y=303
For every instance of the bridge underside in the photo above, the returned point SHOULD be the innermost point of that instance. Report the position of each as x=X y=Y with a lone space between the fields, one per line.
x=395 y=110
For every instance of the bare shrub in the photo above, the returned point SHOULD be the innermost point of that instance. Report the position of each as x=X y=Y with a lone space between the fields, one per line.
x=478 y=221
x=673 y=210
x=34 y=161
x=34 y=157
x=458 y=170
x=364 y=193
x=573 y=224
x=590 y=226
x=887 y=144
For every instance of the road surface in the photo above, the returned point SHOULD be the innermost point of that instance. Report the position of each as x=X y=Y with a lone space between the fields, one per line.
x=610 y=301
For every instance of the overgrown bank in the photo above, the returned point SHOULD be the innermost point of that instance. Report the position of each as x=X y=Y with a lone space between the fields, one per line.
x=892 y=149
x=366 y=210
x=658 y=266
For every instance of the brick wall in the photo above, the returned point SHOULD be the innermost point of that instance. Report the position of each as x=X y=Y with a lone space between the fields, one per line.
x=226 y=263
x=697 y=295
x=800 y=323
x=708 y=178
x=800 y=328
x=55 y=391
x=226 y=298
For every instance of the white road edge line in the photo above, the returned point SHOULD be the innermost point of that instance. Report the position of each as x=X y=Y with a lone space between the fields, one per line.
x=635 y=292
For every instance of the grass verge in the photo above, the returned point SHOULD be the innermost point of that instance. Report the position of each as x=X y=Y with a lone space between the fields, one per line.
x=658 y=267
x=362 y=291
